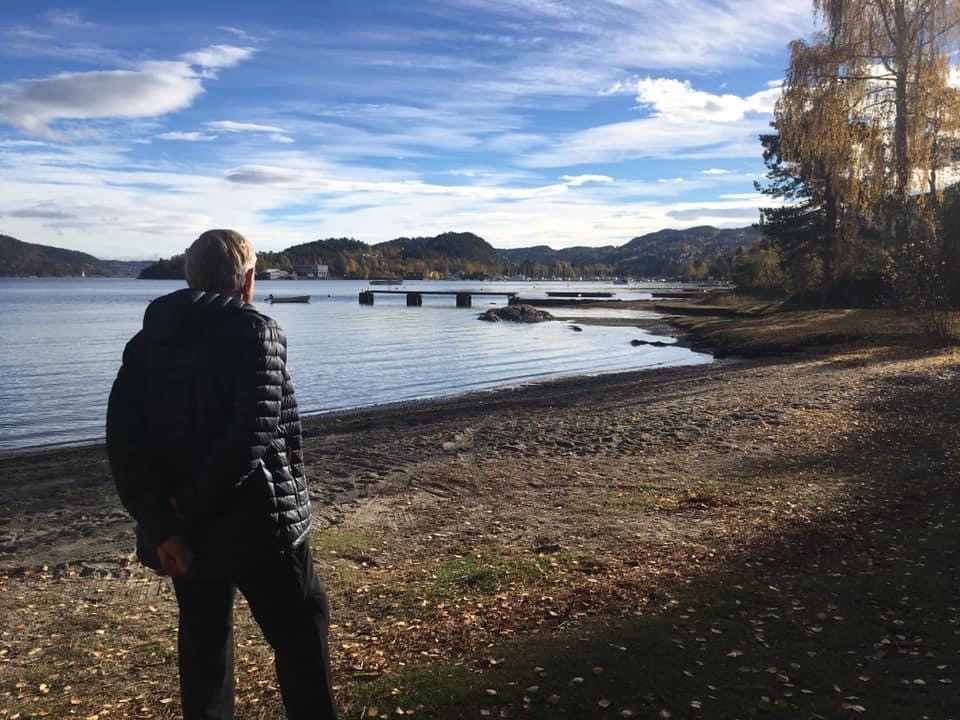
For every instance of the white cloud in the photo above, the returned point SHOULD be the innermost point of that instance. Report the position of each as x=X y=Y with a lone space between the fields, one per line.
x=715 y=171
x=280 y=138
x=236 y=127
x=187 y=136
x=676 y=100
x=153 y=89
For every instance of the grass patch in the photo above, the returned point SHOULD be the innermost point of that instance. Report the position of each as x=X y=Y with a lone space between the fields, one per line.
x=485 y=571
x=342 y=543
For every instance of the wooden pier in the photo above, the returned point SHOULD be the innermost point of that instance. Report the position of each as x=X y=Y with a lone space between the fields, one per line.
x=415 y=298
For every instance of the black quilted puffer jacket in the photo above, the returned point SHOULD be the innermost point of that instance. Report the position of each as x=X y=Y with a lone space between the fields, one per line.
x=203 y=418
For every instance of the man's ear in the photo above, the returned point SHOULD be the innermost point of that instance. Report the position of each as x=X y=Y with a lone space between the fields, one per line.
x=246 y=291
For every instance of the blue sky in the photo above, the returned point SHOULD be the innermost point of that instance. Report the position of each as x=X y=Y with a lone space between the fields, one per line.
x=128 y=128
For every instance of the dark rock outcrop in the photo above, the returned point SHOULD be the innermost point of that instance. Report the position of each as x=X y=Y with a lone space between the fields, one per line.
x=516 y=313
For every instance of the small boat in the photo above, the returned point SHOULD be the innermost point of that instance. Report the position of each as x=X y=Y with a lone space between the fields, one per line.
x=287 y=299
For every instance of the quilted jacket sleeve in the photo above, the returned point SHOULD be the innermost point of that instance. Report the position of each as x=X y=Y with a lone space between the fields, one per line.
x=252 y=424
x=145 y=486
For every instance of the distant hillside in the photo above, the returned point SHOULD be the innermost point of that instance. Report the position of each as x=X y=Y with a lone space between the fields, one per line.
x=682 y=253
x=429 y=257
x=692 y=254
x=446 y=246
x=21 y=259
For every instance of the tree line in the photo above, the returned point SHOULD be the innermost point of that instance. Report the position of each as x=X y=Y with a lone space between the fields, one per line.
x=701 y=253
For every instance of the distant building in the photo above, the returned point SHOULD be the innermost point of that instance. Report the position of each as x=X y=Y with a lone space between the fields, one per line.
x=314 y=272
x=273 y=274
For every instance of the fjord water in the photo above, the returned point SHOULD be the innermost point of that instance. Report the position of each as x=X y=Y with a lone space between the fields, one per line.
x=62 y=341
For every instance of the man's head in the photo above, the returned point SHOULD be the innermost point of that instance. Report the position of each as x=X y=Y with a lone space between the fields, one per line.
x=221 y=261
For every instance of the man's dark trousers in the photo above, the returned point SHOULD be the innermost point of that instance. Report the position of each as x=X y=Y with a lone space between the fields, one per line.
x=288 y=601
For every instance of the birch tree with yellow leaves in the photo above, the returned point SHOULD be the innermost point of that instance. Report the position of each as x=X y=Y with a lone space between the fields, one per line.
x=870 y=118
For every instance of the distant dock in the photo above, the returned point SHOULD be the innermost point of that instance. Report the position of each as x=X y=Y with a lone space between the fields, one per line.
x=415 y=298
x=580 y=294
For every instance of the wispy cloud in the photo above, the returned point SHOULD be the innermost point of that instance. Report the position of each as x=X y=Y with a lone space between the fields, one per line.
x=578 y=180
x=237 y=127
x=26 y=33
x=187 y=136
x=40 y=212
x=218 y=57
x=67 y=18
x=619 y=34
x=239 y=33
x=683 y=122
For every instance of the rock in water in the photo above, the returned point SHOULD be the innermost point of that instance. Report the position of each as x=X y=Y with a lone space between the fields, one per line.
x=654 y=343
x=516 y=313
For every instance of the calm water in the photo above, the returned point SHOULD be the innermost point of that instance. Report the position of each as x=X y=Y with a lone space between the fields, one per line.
x=63 y=339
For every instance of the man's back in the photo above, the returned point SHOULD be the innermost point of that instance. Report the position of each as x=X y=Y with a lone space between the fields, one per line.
x=202 y=403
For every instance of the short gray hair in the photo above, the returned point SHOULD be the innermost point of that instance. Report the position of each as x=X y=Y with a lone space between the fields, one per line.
x=218 y=260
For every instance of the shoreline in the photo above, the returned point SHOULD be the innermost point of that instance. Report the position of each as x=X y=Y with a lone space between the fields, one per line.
x=655 y=326
x=389 y=408
x=60 y=508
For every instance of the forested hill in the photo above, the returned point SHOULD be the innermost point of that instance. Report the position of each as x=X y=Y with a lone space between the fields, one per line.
x=693 y=254
x=21 y=259
x=435 y=256
x=685 y=253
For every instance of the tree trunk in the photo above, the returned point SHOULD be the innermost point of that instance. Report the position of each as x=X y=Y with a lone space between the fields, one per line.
x=829 y=243
x=900 y=135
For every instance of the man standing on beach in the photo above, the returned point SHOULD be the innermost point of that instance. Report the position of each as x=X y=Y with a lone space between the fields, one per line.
x=204 y=440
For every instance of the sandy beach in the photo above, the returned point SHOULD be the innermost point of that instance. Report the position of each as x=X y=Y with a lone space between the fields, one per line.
x=647 y=479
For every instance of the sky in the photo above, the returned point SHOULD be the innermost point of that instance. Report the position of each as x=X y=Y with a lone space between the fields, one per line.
x=127 y=128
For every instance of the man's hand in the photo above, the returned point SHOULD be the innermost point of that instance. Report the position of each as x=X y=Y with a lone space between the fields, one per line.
x=175 y=556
